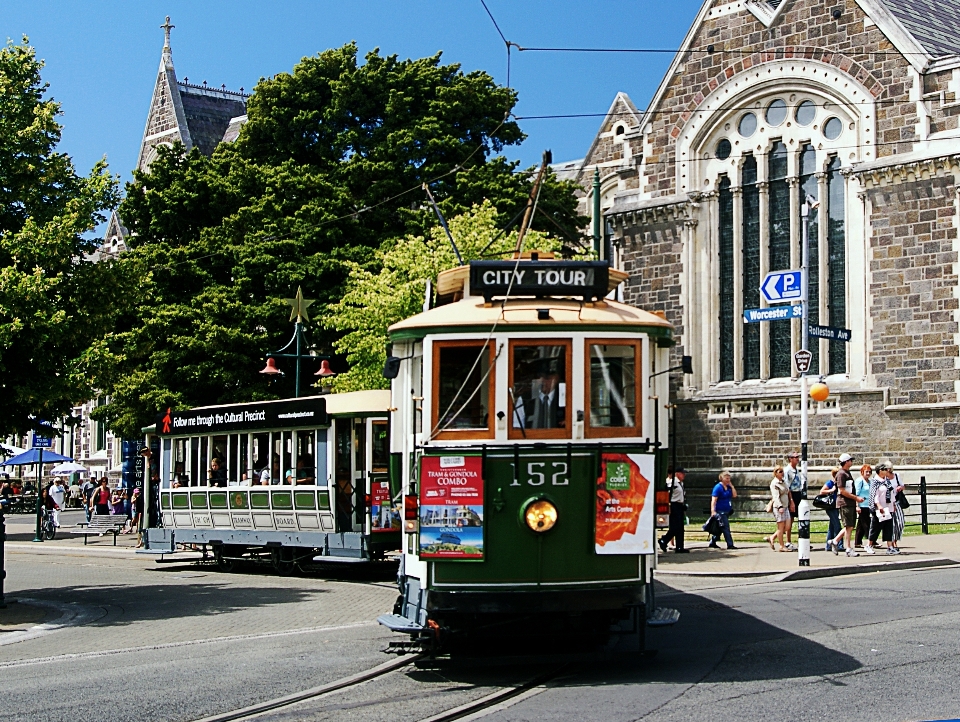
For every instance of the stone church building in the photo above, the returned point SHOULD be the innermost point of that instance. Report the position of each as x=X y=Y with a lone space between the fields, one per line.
x=854 y=103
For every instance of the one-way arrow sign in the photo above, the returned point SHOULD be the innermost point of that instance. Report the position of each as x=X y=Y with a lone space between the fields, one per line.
x=782 y=286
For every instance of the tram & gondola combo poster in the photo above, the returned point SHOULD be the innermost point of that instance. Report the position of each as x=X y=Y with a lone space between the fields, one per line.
x=451 y=507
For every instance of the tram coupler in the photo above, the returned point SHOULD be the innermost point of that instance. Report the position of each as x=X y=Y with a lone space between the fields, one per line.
x=803 y=532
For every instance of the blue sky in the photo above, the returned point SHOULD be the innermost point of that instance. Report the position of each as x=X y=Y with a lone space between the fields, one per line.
x=102 y=56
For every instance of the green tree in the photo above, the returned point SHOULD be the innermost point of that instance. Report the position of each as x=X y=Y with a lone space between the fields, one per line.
x=327 y=168
x=56 y=305
x=373 y=301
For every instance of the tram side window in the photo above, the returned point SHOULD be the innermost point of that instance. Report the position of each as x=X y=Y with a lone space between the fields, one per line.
x=539 y=390
x=613 y=388
x=306 y=458
x=463 y=389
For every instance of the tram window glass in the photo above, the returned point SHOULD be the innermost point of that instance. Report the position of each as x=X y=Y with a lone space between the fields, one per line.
x=322 y=474
x=463 y=389
x=343 y=473
x=539 y=390
x=179 y=471
x=612 y=387
x=276 y=459
x=234 y=466
x=199 y=476
x=380 y=444
x=306 y=458
x=287 y=462
x=418 y=391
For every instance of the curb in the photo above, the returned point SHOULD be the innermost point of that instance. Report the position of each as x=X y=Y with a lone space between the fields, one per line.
x=819 y=573
x=732 y=575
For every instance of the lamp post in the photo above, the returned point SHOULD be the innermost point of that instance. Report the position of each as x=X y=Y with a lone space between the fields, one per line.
x=298 y=343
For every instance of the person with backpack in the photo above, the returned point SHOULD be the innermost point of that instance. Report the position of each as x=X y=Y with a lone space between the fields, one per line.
x=847 y=501
x=86 y=492
x=830 y=489
x=863 y=512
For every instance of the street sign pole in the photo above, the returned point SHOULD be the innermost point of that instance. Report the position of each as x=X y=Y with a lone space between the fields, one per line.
x=804 y=341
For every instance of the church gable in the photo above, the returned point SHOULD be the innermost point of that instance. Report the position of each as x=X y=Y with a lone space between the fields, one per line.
x=209 y=112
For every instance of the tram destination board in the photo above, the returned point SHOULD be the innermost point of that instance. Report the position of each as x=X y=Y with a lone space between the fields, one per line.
x=584 y=279
x=285 y=414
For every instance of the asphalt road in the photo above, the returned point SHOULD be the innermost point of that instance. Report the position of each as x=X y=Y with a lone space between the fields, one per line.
x=179 y=642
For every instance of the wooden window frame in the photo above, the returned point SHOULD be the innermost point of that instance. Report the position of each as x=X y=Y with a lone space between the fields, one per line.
x=455 y=434
x=564 y=433
x=606 y=432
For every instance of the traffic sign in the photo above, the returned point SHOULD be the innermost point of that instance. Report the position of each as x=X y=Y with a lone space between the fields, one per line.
x=41 y=442
x=782 y=286
x=803 y=358
x=830 y=332
x=777 y=313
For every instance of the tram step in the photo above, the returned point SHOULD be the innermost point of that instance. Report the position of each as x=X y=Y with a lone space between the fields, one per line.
x=324 y=558
x=663 y=617
x=396 y=623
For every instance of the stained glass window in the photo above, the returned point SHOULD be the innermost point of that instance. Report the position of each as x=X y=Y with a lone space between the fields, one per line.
x=751 y=266
x=779 y=253
x=726 y=281
x=808 y=187
x=836 y=264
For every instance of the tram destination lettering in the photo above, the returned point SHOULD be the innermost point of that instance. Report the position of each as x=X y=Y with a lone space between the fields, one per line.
x=585 y=279
x=286 y=414
x=451 y=507
x=625 y=508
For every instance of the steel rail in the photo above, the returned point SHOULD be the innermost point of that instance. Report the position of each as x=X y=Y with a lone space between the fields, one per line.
x=290 y=699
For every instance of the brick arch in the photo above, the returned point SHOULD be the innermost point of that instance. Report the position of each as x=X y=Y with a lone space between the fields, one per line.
x=790 y=52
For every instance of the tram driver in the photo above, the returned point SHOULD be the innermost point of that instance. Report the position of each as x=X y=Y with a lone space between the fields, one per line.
x=540 y=407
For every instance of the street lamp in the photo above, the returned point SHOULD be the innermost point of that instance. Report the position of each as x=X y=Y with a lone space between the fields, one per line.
x=326 y=375
x=298 y=343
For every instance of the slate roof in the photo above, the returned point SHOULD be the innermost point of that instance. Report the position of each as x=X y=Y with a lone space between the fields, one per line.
x=935 y=24
x=208 y=113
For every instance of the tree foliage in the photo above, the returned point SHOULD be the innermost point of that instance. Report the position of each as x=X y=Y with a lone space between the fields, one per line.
x=327 y=168
x=56 y=304
x=374 y=300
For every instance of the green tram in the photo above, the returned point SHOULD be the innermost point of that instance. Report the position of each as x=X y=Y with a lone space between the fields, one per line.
x=286 y=482
x=528 y=437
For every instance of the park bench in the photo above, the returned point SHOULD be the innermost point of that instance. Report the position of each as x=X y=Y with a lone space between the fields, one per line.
x=101 y=524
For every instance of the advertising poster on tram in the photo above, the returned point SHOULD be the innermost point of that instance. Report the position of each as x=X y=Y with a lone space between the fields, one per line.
x=625 y=508
x=384 y=516
x=451 y=507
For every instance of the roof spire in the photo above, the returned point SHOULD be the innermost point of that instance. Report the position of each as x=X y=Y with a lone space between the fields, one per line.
x=167 y=27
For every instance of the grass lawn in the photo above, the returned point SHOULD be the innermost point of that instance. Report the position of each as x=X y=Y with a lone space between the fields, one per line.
x=751 y=530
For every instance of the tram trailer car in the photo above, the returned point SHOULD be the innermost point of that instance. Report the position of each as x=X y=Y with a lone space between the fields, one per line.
x=529 y=438
x=296 y=481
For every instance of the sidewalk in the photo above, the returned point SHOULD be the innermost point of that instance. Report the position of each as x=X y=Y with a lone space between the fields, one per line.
x=754 y=560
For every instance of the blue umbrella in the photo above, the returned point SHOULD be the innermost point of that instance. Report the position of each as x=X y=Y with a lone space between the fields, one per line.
x=32 y=456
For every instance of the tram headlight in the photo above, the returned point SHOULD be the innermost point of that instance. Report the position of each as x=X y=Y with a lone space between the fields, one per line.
x=540 y=515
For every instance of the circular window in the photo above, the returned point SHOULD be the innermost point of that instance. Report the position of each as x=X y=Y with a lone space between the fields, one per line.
x=748 y=125
x=832 y=129
x=723 y=149
x=776 y=112
x=806 y=112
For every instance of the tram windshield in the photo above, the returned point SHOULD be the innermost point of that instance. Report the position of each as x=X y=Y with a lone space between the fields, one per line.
x=539 y=387
x=463 y=394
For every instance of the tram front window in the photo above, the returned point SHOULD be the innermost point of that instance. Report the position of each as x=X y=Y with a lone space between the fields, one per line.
x=538 y=388
x=613 y=386
x=462 y=390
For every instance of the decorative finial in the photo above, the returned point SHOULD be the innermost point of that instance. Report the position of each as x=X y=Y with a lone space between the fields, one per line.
x=299 y=306
x=167 y=27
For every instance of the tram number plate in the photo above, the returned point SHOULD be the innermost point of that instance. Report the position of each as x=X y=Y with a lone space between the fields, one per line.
x=538 y=472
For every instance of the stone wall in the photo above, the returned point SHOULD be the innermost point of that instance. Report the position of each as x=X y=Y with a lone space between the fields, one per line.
x=912 y=287
x=806 y=30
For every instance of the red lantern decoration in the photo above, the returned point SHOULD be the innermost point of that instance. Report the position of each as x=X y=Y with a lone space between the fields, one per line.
x=271 y=368
x=325 y=371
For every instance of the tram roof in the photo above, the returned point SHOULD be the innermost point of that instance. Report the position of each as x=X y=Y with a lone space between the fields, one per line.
x=358 y=403
x=473 y=314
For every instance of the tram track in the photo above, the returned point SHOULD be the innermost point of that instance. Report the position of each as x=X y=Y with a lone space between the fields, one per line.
x=468 y=710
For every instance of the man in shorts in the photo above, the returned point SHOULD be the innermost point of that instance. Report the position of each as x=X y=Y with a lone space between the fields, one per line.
x=847 y=501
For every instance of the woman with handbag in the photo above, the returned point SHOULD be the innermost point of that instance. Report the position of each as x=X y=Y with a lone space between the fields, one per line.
x=885 y=506
x=781 y=504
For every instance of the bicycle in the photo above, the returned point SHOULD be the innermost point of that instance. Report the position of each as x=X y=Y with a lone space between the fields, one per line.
x=48 y=529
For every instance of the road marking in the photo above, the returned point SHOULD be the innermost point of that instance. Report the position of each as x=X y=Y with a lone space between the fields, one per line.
x=172 y=645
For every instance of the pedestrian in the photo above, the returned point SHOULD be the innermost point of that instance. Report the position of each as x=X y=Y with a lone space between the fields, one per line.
x=136 y=507
x=721 y=504
x=863 y=509
x=793 y=475
x=781 y=504
x=830 y=487
x=898 y=520
x=678 y=513
x=846 y=503
x=86 y=492
x=885 y=506
x=58 y=493
x=100 y=498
